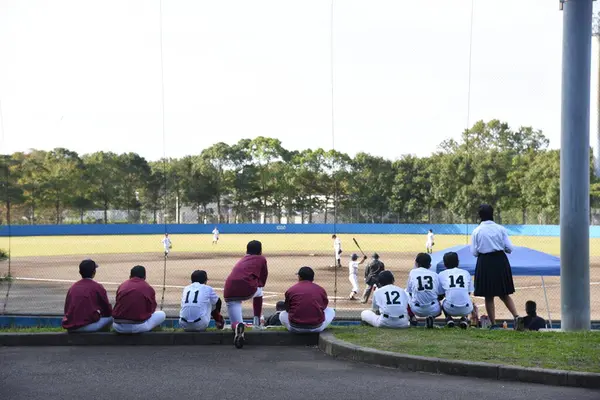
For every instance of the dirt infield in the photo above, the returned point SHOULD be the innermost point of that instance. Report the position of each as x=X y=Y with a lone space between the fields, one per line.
x=41 y=283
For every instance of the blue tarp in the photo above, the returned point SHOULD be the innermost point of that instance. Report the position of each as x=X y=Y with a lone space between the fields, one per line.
x=523 y=261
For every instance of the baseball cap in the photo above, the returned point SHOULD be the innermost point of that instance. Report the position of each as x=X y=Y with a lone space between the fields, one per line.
x=306 y=273
x=87 y=267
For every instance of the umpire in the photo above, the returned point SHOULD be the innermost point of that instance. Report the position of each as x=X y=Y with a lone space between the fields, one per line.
x=372 y=271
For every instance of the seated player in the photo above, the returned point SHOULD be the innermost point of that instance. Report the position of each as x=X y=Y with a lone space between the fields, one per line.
x=532 y=322
x=306 y=305
x=424 y=287
x=245 y=282
x=135 y=308
x=390 y=305
x=198 y=303
x=273 y=320
x=457 y=287
x=87 y=308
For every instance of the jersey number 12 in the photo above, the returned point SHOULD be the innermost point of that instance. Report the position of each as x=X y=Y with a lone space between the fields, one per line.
x=396 y=297
x=187 y=297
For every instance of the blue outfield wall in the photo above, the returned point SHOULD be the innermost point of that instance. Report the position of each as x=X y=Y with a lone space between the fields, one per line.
x=155 y=229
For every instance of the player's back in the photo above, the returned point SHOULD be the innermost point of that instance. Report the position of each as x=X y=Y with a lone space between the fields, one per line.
x=391 y=301
x=424 y=286
x=457 y=284
x=196 y=301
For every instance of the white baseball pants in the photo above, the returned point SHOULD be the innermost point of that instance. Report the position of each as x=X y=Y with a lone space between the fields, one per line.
x=454 y=311
x=354 y=282
x=431 y=310
x=234 y=308
x=155 y=320
x=284 y=317
x=95 y=326
x=199 y=326
x=379 y=321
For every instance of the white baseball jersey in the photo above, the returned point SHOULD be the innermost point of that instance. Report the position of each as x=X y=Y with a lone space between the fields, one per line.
x=430 y=238
x=391 y=300
x=353 y=267
x=337 y=245
x=197 y=301
x=457 y=284
x=424 y=286
x=215 y=233
x=166 y=242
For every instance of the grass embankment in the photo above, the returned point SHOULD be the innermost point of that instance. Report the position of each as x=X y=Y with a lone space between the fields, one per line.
x=579 y=351
x=236 y=244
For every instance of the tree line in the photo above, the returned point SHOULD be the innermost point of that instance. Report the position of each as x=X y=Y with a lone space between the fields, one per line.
x=258 y=180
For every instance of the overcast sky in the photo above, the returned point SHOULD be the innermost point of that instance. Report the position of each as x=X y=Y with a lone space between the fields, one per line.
x=86 y=74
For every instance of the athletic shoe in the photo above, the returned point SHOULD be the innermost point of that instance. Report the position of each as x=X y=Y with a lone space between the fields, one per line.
x=519 y=323
x=429 y=322
x=220 y=323
x=238 y=339
x=450 y=322
x=464 y=324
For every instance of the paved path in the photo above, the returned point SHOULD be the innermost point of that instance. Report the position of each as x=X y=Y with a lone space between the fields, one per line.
x=222 y=372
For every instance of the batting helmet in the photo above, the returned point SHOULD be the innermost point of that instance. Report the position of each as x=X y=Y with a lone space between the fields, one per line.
x=354 y=257
x=376 y=256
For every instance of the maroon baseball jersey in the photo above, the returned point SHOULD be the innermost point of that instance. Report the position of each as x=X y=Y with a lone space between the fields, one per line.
x=136 y=300
x=86 y=302
x=248 y=274
x=305 y=303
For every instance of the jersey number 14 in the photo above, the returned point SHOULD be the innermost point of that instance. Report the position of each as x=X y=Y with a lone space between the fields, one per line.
x=459 y=281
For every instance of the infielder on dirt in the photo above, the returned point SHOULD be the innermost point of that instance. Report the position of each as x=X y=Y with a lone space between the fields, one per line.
x=198 y=303
x=372 y=271
x=167 y=244
x=215 y=233
x=245 y=282
x=424 y=288
x=353 y=270
x=337 y=248
x=390 y=305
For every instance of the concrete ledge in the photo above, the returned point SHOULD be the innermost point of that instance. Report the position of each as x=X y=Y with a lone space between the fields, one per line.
x=273 y=338
x=334 y=347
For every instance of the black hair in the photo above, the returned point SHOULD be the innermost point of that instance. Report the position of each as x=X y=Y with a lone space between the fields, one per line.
x=306 y=274
x=451 y=260
x=333 y=236
x=486 y=212
x=385 y=278
x=531 y=308
x=138 y=272
x=199 y=276
x=280 y=306
x=423 y=260
x=87 y=268
x=254 y=247
x=431 y=230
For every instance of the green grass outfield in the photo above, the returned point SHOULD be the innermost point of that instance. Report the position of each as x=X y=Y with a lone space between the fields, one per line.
x=236 y=243
x=579 y=351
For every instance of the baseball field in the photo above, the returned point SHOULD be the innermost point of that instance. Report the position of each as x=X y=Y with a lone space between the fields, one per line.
x=43 y=268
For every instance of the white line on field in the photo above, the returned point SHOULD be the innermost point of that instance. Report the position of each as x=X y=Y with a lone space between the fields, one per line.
x=115 y=283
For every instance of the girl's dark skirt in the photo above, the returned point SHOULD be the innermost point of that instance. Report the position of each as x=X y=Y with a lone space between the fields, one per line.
x=493 y=276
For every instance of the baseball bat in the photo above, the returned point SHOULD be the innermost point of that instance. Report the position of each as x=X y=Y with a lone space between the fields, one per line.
x=357 y=245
